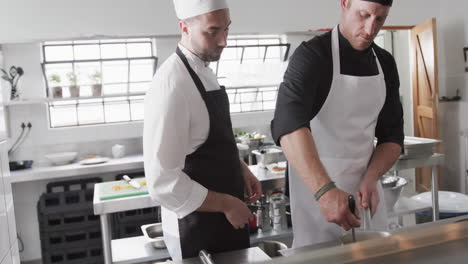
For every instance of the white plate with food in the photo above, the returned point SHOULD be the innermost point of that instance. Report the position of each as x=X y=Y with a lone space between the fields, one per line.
x=277 y=168
x=92 y=161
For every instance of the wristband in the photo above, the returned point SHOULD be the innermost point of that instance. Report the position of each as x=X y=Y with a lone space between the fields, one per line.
x=325 y=188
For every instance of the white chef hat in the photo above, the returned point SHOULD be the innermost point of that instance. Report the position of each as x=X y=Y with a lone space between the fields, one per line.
x=191 y=8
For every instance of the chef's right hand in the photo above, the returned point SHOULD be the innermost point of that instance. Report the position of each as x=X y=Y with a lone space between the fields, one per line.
x=335 y=209
x=236 y=211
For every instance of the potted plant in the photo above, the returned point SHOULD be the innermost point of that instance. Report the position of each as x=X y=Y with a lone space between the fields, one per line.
x=54 y=82
x=74 y=88
x=96 y=78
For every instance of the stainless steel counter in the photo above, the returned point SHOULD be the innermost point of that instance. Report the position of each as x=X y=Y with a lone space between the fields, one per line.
x=244 y=256
x=443 y=241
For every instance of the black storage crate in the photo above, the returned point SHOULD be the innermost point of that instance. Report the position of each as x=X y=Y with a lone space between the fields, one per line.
x=83 y=255
x=128 y=223
x=70 y=232
x=77 y=238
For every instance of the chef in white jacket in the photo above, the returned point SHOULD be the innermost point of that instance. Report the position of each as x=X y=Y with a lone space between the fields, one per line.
x=191 y=160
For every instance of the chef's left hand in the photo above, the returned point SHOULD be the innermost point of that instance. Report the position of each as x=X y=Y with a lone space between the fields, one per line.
x=253 y=186
x=368 y=196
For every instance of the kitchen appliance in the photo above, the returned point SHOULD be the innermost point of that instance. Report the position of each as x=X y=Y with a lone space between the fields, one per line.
x=267 y=156
x=263 y=214
x=278 y=211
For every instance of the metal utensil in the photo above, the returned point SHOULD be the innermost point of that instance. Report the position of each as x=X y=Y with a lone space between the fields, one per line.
x=352 y=208
x=135 y=184
x=205 y=257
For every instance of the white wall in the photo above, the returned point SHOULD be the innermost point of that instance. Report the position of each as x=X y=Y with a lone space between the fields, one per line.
x=453 y=36
x=30 y=20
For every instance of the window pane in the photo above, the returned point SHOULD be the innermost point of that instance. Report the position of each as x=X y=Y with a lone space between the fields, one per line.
x=58 y=53
x=252 y=53
x=86 y=52
x=274 y=52
x=58 y=69
x=136 y=50
x=86 y=71
x=113 y=89
x=141 y=70
x=90 y=112
x=139 y=87
x=235 y=108
x=86 y=91
x=64 y=115
x=117 y=110
x=230 y=53
x=112 y=51
x=137 y=108
x=114 y=72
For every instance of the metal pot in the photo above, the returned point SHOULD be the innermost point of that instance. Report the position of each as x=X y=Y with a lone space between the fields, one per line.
x=362 y=235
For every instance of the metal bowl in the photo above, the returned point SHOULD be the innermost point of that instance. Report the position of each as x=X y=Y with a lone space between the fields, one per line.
x=362 y=235
x=271 y=248
x=392 y=194
x=154 y=235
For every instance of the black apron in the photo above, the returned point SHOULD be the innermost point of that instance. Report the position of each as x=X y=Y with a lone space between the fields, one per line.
x=216 y=166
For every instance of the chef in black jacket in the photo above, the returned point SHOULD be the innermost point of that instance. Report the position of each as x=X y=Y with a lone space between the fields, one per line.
x=339 y=92
x=192 y=164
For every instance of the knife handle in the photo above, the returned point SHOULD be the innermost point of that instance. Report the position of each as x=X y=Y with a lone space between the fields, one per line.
x=352 y=203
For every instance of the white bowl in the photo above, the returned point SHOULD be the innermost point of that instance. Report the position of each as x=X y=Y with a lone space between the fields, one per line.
x=62 y=158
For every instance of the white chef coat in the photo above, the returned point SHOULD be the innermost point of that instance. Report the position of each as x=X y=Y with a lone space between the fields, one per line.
x=176 y=124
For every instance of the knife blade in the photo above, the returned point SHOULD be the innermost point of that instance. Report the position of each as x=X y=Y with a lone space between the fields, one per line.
x=352 y=208
x=135 y=184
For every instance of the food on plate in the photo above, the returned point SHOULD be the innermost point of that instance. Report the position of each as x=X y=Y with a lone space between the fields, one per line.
x=276 y=168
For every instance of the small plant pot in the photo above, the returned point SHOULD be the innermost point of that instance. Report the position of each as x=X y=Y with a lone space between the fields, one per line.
x=57 y=92
x=74 y=91
x=97 y=89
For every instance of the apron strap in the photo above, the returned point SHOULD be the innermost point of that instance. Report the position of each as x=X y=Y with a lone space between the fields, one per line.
x=196 y=79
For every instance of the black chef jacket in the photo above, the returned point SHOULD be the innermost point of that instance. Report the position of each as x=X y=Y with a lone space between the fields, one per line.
x=308 y=79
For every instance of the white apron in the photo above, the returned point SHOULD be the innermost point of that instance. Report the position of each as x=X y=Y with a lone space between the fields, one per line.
x=343 y=132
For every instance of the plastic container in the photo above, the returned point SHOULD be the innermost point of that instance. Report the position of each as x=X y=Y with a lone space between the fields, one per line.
x=451 y=204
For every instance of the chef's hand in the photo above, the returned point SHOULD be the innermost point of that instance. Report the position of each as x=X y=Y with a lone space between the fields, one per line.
x=236 y=211
x=335 y=209
x=368 y=196
x=253 y=186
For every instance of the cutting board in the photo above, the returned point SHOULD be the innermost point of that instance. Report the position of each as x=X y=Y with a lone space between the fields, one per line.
x=120 y=189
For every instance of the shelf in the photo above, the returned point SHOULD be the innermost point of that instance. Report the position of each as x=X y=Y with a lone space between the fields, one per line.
x=434 y=160
x=51 y=100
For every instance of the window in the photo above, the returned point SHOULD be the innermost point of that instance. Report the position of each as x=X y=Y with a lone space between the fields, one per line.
x=251 y=68
x=97 y=81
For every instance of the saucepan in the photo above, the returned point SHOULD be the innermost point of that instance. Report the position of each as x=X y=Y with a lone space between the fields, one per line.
x=20 y=164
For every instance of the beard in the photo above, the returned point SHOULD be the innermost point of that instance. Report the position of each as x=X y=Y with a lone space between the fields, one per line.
x=214 y=55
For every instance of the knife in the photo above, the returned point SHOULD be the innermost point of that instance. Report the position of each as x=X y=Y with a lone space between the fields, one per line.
x=134 y=183
x=352 y=208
